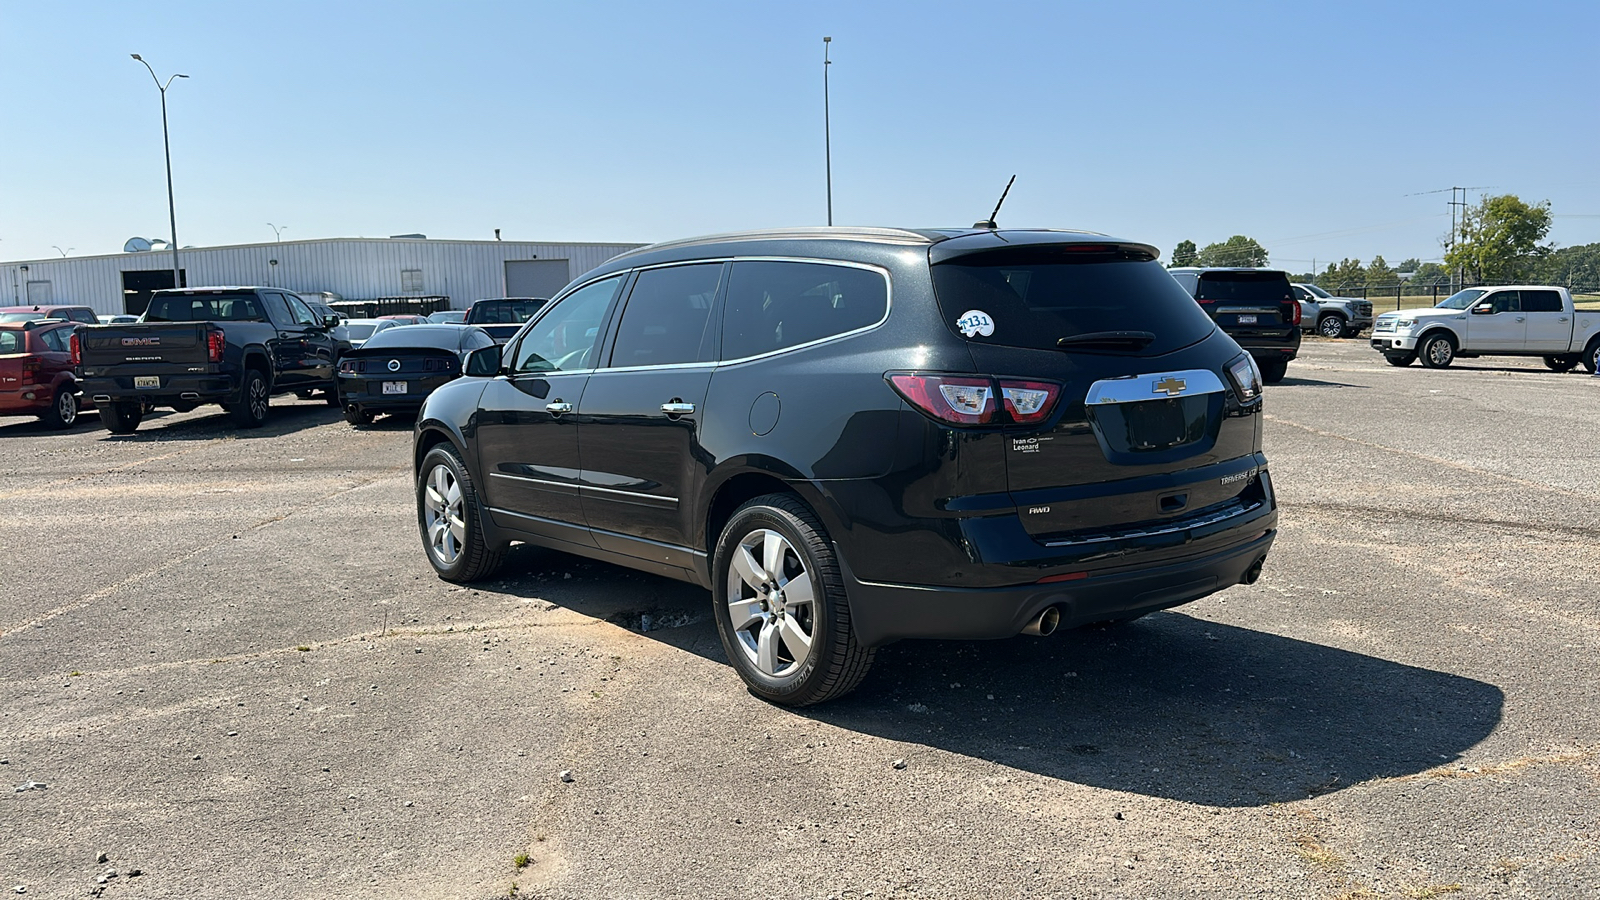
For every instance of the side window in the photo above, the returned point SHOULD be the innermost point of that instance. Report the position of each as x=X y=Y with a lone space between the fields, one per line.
x=1541 y=301
x=1189 y=280
x=1505 y=301
x=302 y=313
x=277 y=307
x=1302 y=294
x=83 y=315
x=56 y=339
x=665 y=320
x=564 y=338
x=773 y=305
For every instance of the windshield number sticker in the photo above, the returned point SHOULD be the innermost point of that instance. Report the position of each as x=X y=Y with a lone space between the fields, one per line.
x=975 y=322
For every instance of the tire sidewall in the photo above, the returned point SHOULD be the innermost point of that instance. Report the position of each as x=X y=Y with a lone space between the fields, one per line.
x=1325 y=331
x=444 y=454
x=745 y=520
x=1426 y=354
x=58 y=418
x=244 y=411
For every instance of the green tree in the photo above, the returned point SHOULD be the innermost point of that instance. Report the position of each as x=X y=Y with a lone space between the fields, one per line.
x=1184 y=254
x=1409 y=265
x=1378 y=272
x=1347 y=273
x=1501 y=239
x=1572 y=266
x=1235 y=251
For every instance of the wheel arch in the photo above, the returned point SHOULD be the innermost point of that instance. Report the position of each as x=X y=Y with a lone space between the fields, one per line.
x=738 y=485
x=1432 y=330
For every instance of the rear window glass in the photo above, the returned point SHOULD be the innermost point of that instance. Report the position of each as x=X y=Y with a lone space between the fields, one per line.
x=503 y=312
x=206 y=308
x=359 y=332
x=774 y=305
x=11 y=341
x=21 y=317
x=1244 y=287
x=1036 y=296
x=417 y=336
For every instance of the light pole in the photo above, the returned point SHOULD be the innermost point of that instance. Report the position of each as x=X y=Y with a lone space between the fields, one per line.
x=827 y=126
x=166 y=142
x=61 y=251
x=278 y=231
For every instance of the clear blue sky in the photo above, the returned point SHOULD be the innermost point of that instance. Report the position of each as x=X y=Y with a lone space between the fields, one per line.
x=645 y=121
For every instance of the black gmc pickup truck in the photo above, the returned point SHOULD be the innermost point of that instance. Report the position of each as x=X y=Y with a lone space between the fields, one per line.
x=236 y=346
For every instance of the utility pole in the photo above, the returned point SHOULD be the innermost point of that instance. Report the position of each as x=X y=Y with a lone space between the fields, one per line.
x=827 y=125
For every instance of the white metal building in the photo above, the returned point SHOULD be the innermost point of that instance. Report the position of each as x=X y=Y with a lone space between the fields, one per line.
x=357 y=268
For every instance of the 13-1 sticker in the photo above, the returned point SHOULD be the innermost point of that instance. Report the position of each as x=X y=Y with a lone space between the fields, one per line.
x=975 y=322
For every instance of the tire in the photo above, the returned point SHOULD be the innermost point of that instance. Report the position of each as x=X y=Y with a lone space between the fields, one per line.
x=255 y=396
x=1437 y=351
x=122 y=417
x=355 y=415
x=331 y=397
x=1401 y=360
x=1331 y=326
x=63 y=412
x=1562 y=363
x=1273 y=370
x=1591 y=357
x=1351 y=331
x=448 y=517
x=793 y=643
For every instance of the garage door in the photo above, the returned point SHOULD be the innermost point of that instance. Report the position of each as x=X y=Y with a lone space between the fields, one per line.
x=536 y=277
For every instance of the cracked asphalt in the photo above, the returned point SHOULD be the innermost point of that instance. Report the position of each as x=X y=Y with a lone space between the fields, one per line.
x=226 y=660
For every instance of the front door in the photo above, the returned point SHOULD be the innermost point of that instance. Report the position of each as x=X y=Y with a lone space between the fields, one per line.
x=287 y=345
x=1502 y=328
x=527 y=418
x=641 y=416
x=1549 y=322
x=316 y=346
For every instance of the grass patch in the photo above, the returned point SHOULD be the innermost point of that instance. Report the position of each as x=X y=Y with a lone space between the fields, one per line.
x=521 y=861
x=1317 y=853
x=303 y=648
x=1428 y=892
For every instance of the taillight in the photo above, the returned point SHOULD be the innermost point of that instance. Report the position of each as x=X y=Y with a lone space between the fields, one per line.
x=978 y=400
x=75 y=348
x=1291 y=312
x=30 y=371
x=347 y=367
x=216 y=343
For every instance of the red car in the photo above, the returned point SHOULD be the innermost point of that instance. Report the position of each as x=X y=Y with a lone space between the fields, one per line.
x=80 y=314
x=36 y=372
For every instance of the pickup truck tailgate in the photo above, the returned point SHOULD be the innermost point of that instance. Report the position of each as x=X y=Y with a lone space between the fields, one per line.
x=139 y=348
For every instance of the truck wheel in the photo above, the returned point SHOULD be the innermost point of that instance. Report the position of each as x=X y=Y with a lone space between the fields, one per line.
x=122 y=417
x=331 y=395
x=1562 y=363
x=1273 y=370
x=1401 y=360
x=250 y=410
x=1437 y=351
x=355 y=415
x=1351 y=331
x=448 y=513
x=780 y=605
x=63 y=411
x=1591 y=357
x=1331 y=326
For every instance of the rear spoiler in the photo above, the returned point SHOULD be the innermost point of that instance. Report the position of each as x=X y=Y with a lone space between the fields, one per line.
x=1040 y=246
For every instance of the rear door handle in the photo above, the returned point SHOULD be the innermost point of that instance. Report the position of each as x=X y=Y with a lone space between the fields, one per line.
x=677 y=408
x=557 y=407
x=1522 y=318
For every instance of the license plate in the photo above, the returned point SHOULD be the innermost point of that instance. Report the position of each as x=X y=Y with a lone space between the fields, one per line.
x=147 y=382
x=1247 y=320
x=394 y=387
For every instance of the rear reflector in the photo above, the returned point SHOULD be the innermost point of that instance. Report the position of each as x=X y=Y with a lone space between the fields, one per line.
x=1070 y=576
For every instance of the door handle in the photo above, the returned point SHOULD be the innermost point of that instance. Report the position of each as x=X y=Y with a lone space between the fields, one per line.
x=557 y=407
x=677 y=408
x=1522 y=318
x=1562 y=319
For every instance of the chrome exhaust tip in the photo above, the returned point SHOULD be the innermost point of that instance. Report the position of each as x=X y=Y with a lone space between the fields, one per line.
x=188 y=395
x=1253 y=574
x=1044 y=624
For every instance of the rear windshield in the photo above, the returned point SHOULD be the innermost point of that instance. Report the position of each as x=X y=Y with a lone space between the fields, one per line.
x=359 y=332
x=1244 y=287
x=1036 y=297
x=206 y=308
x=22 y=317
x=503 y=312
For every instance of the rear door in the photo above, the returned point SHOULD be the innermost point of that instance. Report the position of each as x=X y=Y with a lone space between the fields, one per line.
x=640 y=419
x=1549 y=322
x=527 y=436
x=1496 y=323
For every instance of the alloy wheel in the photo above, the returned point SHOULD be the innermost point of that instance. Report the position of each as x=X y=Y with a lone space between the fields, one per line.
x=1332 y=327
x=258 y=398
x=443 y=516
x=1439 y=352
x=66 y=408
x=771 y=603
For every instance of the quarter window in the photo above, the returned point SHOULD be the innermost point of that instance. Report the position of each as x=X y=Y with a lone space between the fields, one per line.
x=564 y=338
x=665 y=320
x=55 y=339
x=774 y=305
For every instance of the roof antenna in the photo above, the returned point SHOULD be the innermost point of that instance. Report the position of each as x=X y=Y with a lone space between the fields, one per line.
x=989 y=222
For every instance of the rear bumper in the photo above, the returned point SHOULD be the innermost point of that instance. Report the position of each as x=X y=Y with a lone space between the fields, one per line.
x=196 y=388
x=28 y=401
x=882 y=613
x=1270 y=351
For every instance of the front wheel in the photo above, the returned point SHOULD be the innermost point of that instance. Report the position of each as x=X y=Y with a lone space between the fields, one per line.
x=1400 y=360
x=63 y=412
x=122 y=417
x=1273 y=370
x=1437 y=351
x=1562 y=363
x=448 y=513
x=1331 y=326
x=250 y=411
x=780 y=605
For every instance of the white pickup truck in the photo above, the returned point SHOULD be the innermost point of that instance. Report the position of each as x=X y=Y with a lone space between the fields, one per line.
x=1513 y=320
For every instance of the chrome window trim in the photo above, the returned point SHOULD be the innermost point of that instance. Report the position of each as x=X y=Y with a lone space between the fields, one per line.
x=1140 y=388
x=585 y=487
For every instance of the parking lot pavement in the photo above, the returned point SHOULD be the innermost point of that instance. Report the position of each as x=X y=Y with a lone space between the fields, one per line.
x=226 y=659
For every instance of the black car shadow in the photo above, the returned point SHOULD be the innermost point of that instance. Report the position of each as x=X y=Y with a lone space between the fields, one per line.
x=1169 y=706
x=284 y=417
x=1314 y=382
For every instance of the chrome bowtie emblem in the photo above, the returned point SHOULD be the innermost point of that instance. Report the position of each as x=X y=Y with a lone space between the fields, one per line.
x=1170 y=386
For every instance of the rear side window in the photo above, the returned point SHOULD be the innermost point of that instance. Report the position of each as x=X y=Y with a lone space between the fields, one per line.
x=775 y=305
x=56 y=339
x=1541 y=301
x=1244 y=288
x=11 y=341
x=665 y=320
x=1035 y=296
x=82 y=315
x=206 y=308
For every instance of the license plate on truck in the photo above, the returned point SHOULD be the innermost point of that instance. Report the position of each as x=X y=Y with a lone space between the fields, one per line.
x=147 y=382
x=394 y=387
x=1247 y=320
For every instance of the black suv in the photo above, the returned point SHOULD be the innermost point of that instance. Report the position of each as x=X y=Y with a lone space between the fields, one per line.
x=852 y=436
x=1256 y=307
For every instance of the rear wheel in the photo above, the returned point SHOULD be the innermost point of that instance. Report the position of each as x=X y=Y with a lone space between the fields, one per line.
x=355 y=415
x=63 y=412
x=1437 y=351
x=1562 y=363
x=780 y=605
x=1400 y=360
x=122 y=417
x=1331 y=326
x=250 y=411
x=448 y=513
x=1273 y=370
x=1591 y=357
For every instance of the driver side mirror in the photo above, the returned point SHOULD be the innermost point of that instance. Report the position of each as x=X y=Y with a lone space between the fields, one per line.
x=1483 y=309
x=484 y=361
x=330 y=321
